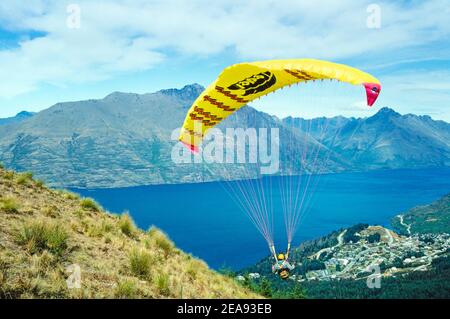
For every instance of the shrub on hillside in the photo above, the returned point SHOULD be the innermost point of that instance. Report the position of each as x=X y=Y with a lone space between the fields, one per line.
x=350 y=235
x=50 y=211
x=70 y=195
x=89 y=204
x=162 y=283
x=39 y=236
x=9 y=175
x=126 y=225
x=161 y=240
x=140 y=263
x=100 y=229
x=24 y=178
x=9 y=205
x=126 y=289
x=374 y=238
x=39 y=183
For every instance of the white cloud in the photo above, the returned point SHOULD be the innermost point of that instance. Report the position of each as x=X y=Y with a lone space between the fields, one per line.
x=128 y=36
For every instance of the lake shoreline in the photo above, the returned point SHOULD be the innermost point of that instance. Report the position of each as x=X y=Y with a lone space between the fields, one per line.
x=203 y=220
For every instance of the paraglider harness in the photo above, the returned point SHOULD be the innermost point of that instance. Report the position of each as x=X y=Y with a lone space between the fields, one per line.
x=283 y=271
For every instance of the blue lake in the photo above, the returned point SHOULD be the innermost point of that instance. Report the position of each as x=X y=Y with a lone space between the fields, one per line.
x=203 y=220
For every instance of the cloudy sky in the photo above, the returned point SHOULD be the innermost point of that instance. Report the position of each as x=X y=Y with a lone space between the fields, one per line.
x=53 y=51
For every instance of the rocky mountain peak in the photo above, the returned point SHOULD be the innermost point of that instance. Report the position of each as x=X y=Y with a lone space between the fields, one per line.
x=188 y=92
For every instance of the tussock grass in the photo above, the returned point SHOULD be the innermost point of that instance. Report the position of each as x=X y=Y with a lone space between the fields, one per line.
x=126 y=289
x=79 y=213
x=161 y=240
x=84 y=225
x=90 y=204
x=42 y=263
x=9 y=205
x=38 y=236
x=8 y=175
x=71 y=195
x=24 y=178
x=100 y=229
x=126 y=225
x=162 y=283
x=195 y=267
x=39 y=183
x=140 y=263
x=107 y=226
x=192 y=269
x=50 y=211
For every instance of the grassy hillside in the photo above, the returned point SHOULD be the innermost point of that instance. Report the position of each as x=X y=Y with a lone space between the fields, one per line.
x=45 y=232
x=432 y=218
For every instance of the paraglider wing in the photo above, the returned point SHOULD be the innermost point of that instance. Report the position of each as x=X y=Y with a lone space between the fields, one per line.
x=240 y=84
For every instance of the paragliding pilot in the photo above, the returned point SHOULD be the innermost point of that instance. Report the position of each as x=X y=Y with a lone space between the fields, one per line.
x=242 y=83
x=282 y=267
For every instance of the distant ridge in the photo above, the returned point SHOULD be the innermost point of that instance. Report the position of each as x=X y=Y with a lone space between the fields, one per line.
x=19 y=117
x=186 y=93
x=387 y=140
x=124 y=140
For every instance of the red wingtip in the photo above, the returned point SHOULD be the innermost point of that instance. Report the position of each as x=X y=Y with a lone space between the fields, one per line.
x=192 y=148
x=372 y=92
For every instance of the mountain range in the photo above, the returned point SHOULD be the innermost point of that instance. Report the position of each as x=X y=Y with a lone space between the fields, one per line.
x=124 y=140
x=385 y=140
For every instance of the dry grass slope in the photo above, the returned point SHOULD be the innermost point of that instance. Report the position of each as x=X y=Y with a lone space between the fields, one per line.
x=44 y=231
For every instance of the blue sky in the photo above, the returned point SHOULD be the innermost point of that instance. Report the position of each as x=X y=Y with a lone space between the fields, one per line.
x=143 y=46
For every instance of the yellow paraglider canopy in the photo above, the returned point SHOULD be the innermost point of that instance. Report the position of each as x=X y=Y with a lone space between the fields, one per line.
x=241 y=83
